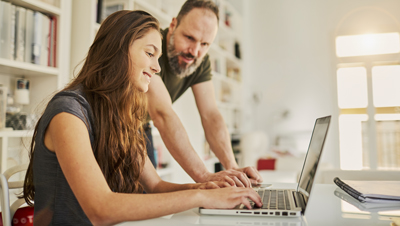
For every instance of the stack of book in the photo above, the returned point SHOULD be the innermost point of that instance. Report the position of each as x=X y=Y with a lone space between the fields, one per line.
x=370 y=195
x=27 y=35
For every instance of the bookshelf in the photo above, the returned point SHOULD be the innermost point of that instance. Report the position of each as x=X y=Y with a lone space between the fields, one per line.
x=44 y=79
x=226 y=66
x=12 y=67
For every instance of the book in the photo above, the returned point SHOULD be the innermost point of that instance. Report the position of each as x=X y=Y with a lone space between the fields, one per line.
x=20 y=27
x=53 y=41
x=370 y=191
x=29 y=36
x=37 y=37
x=12 y=33
x=1 y=24
x=367 y=206
x=5 y=29
x=55 y=25
x=3 y=105
x=44 y=53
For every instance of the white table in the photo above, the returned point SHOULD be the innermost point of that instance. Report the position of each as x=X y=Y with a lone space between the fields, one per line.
x=324 y=208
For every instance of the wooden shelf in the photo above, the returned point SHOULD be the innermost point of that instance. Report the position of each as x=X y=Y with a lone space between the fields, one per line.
x=17 y=68
x=38 y=6
x=16 y=133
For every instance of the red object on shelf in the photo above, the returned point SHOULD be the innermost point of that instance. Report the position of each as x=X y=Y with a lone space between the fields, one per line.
x=266 y=164
x=23 y=217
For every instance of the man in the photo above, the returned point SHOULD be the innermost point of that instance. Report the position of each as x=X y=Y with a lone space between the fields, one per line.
x=185 y=64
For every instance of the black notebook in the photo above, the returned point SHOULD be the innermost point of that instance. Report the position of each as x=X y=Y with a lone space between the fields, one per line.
x=371 y=191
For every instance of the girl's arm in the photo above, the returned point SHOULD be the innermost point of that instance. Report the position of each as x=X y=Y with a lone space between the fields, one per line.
x=68 y=137
x=152 y=183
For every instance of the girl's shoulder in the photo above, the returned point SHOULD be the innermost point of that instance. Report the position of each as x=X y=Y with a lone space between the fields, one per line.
x=69 y=101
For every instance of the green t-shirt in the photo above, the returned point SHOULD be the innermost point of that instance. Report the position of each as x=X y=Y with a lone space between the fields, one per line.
x=177 y=86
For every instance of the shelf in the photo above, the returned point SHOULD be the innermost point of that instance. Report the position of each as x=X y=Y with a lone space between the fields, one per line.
x=216 y=49
x=44 y=80
x=16 y=133
x=165 y=171
x=227 y=32
x=232 y=61
x=220 y=76
x=38 y=6
x=25 y=69
x=157 y=13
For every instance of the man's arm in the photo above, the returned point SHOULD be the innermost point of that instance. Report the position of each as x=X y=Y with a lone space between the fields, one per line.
x=214 y=126
x=172 y=131
x=217 y=133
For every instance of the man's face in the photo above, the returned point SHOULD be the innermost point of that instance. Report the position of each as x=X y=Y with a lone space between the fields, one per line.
x=189 y=42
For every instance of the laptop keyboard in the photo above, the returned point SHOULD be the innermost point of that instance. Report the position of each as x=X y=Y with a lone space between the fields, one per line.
x=273 y=199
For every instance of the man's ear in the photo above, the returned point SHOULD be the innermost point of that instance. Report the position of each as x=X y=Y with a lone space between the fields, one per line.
x=173 y=24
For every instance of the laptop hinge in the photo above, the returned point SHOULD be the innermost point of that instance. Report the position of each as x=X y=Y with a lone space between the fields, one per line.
x=299 y=200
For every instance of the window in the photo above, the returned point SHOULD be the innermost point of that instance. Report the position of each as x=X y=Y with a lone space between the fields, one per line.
x=369 y=101
x=367 y=44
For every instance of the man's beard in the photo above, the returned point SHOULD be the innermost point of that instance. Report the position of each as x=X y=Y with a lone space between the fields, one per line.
x=181 y=71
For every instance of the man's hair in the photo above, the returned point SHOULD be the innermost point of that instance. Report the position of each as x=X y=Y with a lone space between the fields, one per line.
x=202 y=4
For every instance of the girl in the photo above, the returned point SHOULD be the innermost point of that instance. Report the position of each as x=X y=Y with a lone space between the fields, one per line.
x=88 y=162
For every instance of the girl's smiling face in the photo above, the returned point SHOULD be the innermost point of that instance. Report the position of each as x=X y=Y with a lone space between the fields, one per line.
x=144 y=54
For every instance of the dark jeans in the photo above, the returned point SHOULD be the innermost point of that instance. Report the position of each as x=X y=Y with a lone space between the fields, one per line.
x=149 y=144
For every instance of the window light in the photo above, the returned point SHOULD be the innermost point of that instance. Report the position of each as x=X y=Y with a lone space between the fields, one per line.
x=352 y=87
x=387 y=117
x=368 y=44
x=350 y=137
x=385 y=85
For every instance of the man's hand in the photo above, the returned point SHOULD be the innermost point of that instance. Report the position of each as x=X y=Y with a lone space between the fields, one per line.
x=243 y=177
x=252 y=174
x=212 y=185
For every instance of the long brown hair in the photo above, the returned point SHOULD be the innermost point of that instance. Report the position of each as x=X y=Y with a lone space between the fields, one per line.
x=119 y=109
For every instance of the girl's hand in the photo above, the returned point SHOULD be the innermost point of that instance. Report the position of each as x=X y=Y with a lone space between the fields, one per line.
x=229 y=197
x=213 y=185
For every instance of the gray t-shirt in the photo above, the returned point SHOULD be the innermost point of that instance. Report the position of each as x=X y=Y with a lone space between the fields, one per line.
x=55 y=203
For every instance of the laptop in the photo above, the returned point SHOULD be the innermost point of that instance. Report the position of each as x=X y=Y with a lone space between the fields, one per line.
x=287 y=202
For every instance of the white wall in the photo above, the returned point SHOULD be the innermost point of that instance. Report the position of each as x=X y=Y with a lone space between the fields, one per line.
x=289 y=55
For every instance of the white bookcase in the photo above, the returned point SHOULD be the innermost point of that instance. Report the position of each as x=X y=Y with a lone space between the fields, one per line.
x=44 y=80
x=226 y=66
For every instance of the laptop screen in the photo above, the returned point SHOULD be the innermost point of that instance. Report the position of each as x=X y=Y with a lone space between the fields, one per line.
x=313 y=155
